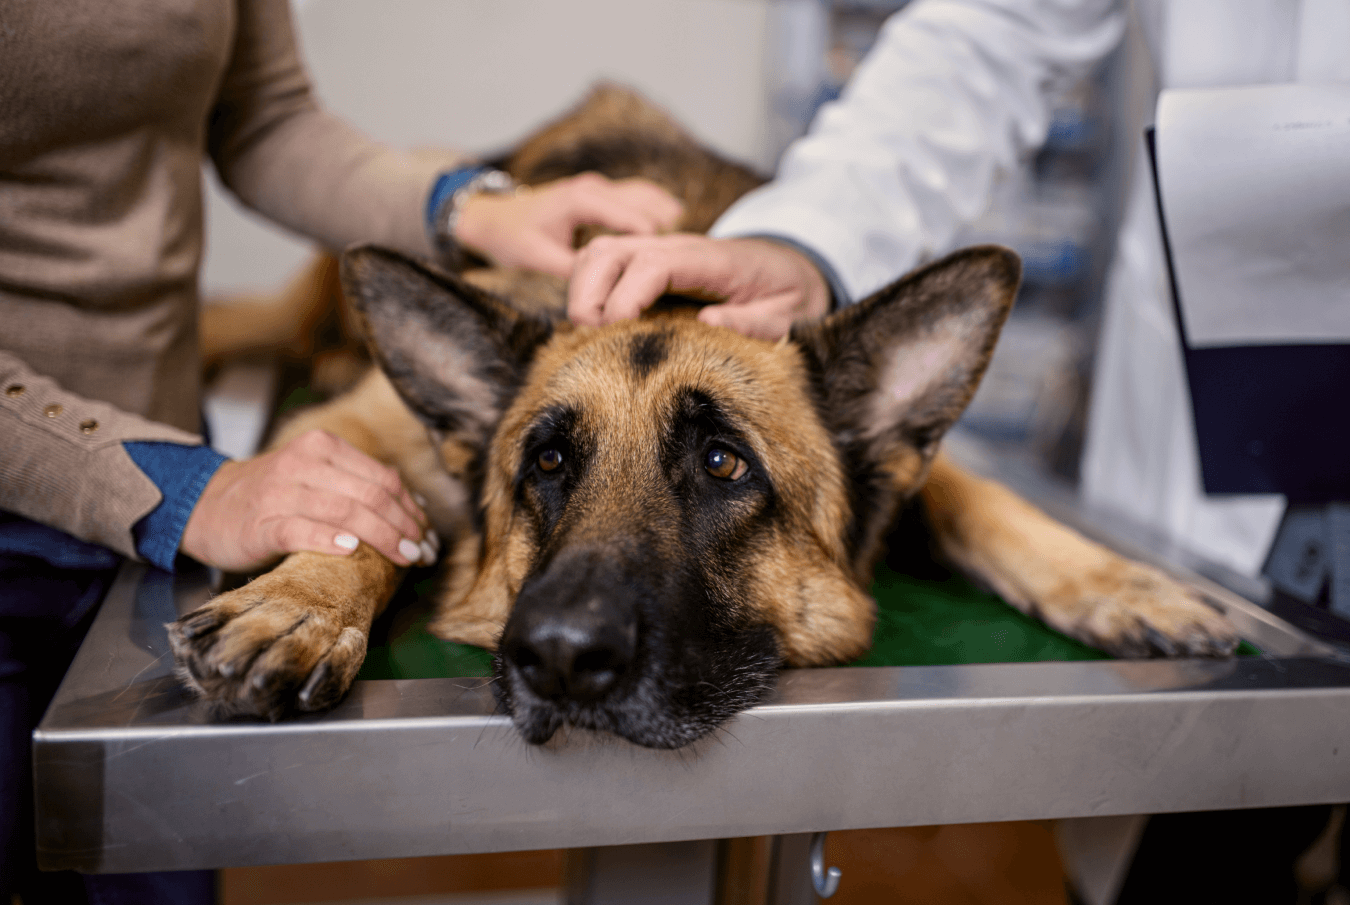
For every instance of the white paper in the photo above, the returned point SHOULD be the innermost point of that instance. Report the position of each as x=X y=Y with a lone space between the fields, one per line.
x=1256 y=195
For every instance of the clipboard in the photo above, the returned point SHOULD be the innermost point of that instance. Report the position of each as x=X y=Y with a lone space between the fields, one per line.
x=1268 y=418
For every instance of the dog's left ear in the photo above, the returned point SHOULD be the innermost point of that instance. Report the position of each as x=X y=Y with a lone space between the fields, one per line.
x=455 y=353
x=895 y=371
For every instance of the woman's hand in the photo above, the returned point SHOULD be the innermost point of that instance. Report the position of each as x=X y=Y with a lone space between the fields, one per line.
x=762 y=286
x=316 y=492
x=533 y=228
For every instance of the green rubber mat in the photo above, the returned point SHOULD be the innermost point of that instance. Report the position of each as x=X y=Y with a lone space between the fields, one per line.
x=402 y=648
x=920 y=622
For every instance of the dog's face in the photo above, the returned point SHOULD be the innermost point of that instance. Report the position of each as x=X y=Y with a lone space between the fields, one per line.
x=669 y=511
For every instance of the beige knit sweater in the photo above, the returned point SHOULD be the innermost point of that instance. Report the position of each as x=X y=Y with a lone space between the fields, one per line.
x=107 y=109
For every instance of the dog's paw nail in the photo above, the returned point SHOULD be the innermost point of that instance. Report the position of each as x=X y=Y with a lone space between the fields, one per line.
x=320 y=690
x=194 y=627
x=1160 y=643
x=306 y=695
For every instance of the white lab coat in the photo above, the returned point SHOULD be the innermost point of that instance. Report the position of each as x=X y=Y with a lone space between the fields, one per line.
x=952 y=96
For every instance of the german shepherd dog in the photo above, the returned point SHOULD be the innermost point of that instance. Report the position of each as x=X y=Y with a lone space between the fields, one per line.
x=647 y=520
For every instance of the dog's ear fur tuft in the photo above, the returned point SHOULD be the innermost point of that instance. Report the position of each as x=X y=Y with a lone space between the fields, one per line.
x=895 y=371
x=455 y=353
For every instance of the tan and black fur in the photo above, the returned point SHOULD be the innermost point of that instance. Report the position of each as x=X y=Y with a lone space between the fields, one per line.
x=646 y=520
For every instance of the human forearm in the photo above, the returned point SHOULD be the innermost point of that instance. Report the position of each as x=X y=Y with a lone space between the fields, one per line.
x=952 y=96
x=355 y=190
x=63 y=463
x=284 y=156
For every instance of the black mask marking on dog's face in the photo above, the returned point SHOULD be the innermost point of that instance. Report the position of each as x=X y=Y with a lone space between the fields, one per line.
x=636 y=631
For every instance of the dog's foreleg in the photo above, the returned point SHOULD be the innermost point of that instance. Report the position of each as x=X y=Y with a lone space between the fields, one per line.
x=1079 y=587
x=294 y=638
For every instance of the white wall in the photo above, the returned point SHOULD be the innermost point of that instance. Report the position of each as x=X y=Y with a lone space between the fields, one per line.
x=478 y=74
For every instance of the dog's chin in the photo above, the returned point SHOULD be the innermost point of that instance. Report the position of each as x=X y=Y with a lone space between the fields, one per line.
x=656 y=709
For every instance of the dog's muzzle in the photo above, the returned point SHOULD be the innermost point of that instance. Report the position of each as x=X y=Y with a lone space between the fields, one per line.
x=601 y=642
x=570 y=648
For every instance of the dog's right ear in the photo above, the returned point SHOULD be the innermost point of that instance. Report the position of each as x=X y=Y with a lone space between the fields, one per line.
x=456 y=354
x=898 y=367
x=894 y=371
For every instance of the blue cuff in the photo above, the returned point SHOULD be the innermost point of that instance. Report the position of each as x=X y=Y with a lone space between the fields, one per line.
x=180 y=473
x=838 y=294
x=443 y=189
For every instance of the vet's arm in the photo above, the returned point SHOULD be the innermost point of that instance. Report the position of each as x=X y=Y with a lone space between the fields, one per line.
x=953 y=94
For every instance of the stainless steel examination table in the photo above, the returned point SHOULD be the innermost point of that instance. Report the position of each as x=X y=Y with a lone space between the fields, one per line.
x=130 y=775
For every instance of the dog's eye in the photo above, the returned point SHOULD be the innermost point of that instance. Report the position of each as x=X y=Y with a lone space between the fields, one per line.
x=723 y=464
x=550 y=460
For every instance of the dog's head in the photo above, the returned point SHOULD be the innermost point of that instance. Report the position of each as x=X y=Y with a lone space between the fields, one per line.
x=667 y=510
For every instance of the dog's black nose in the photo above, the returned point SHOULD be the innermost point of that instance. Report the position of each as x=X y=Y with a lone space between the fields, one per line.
x=579 y=654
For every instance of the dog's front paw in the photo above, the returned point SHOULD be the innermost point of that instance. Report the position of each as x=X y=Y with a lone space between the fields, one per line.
x=1131 y=610
x=266 y=649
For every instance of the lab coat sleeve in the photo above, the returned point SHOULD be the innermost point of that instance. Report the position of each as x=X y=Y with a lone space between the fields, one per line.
x=952 y=97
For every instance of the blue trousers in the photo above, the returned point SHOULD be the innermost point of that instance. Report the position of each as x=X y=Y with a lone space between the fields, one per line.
x=44 y=615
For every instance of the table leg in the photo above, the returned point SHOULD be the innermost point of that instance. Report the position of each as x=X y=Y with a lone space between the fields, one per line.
x=667 y=873
x=790 y=871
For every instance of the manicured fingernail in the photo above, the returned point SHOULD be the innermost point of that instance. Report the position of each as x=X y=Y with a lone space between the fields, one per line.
x=419 y=499
x=346 y=541
x=435 y=539
x=428 y=554
x=410 y=550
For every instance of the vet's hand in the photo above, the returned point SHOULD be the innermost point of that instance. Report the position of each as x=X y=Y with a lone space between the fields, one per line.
x=317 y=493
x=534 y=227
x=762 y=287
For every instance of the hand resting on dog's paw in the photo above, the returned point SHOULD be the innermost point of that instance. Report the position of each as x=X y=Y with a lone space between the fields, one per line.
x=314 y=492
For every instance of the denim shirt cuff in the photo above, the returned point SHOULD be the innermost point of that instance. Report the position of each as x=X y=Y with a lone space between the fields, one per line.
x=181 y=473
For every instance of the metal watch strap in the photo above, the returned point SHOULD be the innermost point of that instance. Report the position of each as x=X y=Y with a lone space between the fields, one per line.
x=446 y=216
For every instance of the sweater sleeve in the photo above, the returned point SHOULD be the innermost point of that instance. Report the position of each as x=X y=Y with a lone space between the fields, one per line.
x=61 y=453
x=285 y=157
x=952 y=96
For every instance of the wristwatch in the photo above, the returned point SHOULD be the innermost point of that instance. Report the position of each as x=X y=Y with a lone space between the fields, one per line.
x=446 y=203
